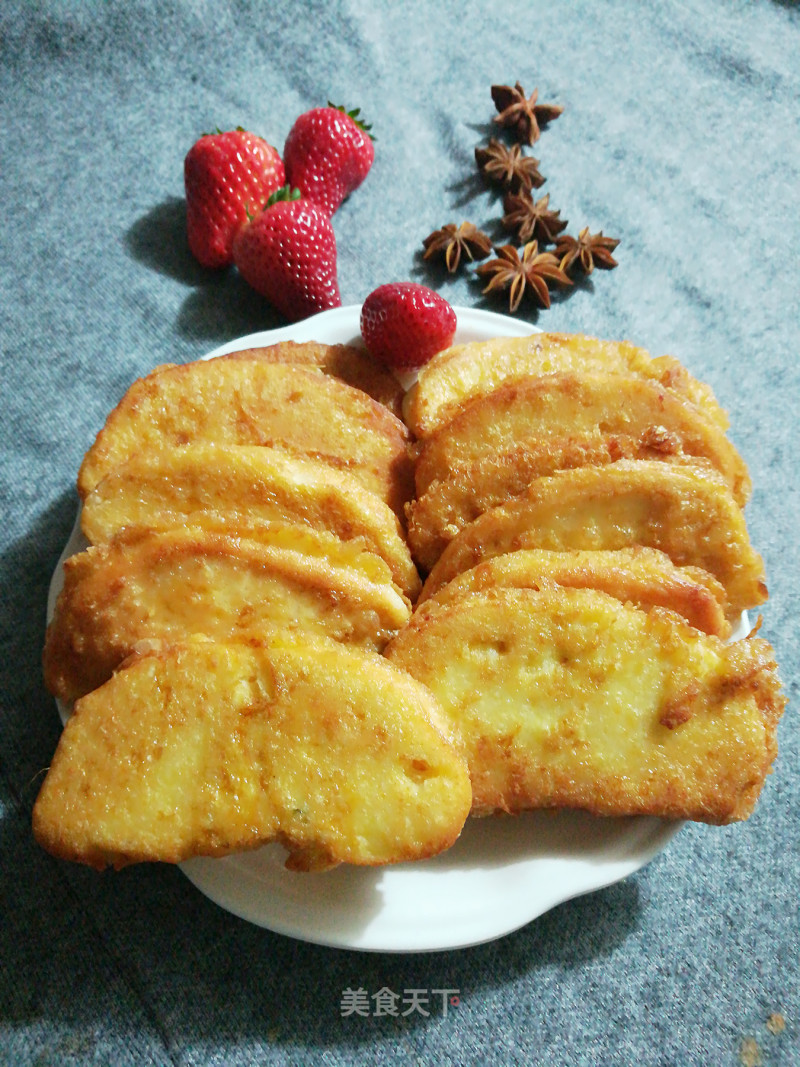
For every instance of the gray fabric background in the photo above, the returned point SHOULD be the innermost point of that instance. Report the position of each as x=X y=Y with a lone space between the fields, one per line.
x=680 y=137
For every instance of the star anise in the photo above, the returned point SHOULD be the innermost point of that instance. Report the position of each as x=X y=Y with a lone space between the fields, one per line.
x=508 y=166
x=521 y=114
x=589 y=249
x=528 y=218
x=453 y=241
x=530 y=272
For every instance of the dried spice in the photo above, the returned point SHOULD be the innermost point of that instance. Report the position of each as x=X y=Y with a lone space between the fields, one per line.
x=527 y=268
x=508 y=166
x=589 y=249
x=453 y=241
x=531 y=272
x=528 y=218
x=520 y=114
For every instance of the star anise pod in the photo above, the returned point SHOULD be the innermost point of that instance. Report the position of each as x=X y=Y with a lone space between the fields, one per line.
x=521 y=114
x=508 y=166
x=529 y=272
x=528 y=218
x=589 y=249
x=453 y=241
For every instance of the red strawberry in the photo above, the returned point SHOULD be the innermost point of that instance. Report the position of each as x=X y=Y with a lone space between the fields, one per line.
x=404 y=324
x=328 y=154
x=288 y=254
x=226 y=175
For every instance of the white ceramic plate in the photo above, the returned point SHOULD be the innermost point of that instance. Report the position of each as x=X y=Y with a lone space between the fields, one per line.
x=502 y=872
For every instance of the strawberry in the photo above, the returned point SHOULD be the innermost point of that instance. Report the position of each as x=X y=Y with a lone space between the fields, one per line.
x=328 y=154
x=226 y=175
x=288 y=254
x=404 y=324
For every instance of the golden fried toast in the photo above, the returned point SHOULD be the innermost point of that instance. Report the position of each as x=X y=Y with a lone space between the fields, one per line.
x=464 y=371
x=643 y=577
x=228 y=401
x=528 y=428
x=249 y=489
x=354 y=366
x=164 y=586
x=447 y=506
x=568 y=698
x=622 y=414
x=685 y=511
x=209 y=748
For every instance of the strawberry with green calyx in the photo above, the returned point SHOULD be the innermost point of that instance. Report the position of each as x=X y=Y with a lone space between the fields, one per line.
x=403 y=325
x=287 y=252
x=328 y=154
x=226 y=174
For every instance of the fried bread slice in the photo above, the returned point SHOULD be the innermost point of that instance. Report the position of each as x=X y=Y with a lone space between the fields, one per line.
x=352 y=365
x=644 y=577
x=457 y=374
x=251 y=489
x=567 y=698
x=209 y=748
x=616 y=413
x=227 y=401
x=530 y=427
x=164 y=586
x=447 y=506
x=686 y=511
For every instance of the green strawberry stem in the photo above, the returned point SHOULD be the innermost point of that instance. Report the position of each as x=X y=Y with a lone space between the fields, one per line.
x=286 y=192
x=217 y=130
x=362 y=125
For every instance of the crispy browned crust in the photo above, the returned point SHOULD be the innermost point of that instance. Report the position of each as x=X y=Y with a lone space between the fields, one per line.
x=583 y=405
x=447 y=506
x=169 y=585
x=248 y=491
x=644 y=577
x=203 y=749
x=682 y=510
x=225 y=401
x=496 y=443
x=567 y=698
x=464 y=371
x=354 y=366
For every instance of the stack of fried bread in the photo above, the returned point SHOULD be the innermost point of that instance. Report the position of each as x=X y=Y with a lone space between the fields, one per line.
x=578 y=513
x=221 y=636
x=254 y=656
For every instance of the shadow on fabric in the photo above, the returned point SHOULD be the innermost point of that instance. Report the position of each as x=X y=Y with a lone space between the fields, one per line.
x=220 y=305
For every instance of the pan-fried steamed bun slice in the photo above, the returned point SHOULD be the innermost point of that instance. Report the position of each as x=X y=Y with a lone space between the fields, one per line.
x=498 y=443
x=206 y=749
x=249 y=489
x=642 y=576
x=354 y=366
x=164 y=586
x=461 y=373
x=242 y=401
x=569 y=698
x=687 y=512
x=594 y=408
